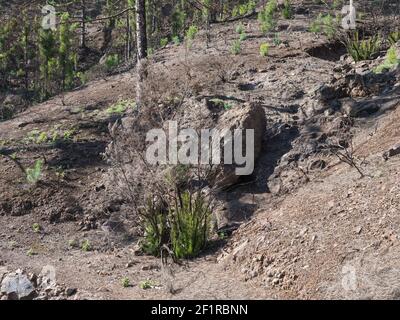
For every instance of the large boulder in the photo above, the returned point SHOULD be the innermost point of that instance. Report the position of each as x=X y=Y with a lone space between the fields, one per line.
x=359 y=109
x=249 y=116
x=17 y=286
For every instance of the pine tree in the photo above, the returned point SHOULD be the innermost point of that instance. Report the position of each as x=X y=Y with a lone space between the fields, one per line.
x=65 y=56
x=47 y=53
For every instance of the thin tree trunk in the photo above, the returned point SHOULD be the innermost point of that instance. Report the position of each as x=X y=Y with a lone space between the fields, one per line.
x=141 y=32
x=83 y=24
x=141 y=40
x=128 y=37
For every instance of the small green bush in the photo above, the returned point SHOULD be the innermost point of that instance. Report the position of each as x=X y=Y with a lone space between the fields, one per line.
x=36 y=227
x=277 y=40
x=183 y=225
x=391 y=61
x=240 y=28
x=394 y=37
x=287 y=11
x=176 y=40
x=86 y=246
x=264 y=49
x=236 y=47
x=243 y=37
x=243 y=9
x=190 y=224
x=266 y=16
x=164 y=42
x=125 y=282
x=112 y=61
x=363 y=49
x=146 y=284
x=324 y=24
x=121 y=107
x=191 y=34
x=33 y=174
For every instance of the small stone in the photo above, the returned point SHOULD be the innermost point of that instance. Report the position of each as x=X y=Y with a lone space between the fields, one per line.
x=70 y=291
x=130 y=264
x=358 y=230
x=394 y=151
x=150 y=267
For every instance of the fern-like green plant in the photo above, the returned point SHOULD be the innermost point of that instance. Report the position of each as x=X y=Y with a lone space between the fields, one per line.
x=236 y=47
x=394 y=37
x=163 y=42
x=287 y=11
x=266 y=16
x=191 y=34
x=363 y=49
x=240 y=28
x=391 y=61
x=324 y=24
x=112 y=61
x=264 y=49
x=190 y=224
x=33 y=174
x=156 y=231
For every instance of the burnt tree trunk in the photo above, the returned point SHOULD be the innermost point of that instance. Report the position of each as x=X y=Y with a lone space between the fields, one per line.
x=141 y=45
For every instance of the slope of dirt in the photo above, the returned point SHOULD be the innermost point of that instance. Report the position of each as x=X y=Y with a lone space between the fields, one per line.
x=303 y=230
x=337 y=230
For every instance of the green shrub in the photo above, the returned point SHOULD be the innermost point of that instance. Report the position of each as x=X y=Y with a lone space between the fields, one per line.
x=266 y=16
x=190 y=224
x=251 y=6
x=394 y=37
x=125 y=282
x=191 y=34
x=264 y=49
x=243 y=9
x=73 y=243
x=219 y=103
x=112 y=61
x=86 y=246
x=176 y=40
x=277 y=41
x=183 y=225
x=156 y=231
x=33 y=174
x=243 y=37
x=235 y=11
x=324 y=24
x=240 y=28
x=42 y=138
x=146 y=284
x=164 y=42
x=363 y=49
x=337 y=4
x=152 y=242
x=150 y=51
x=83 y=78
x=36 y=227
x=287 y=11
x=391 y=61
x=236 y=47
x=121 y=107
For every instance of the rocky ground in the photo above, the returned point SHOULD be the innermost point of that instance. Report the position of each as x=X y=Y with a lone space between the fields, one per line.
x=308 y=225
